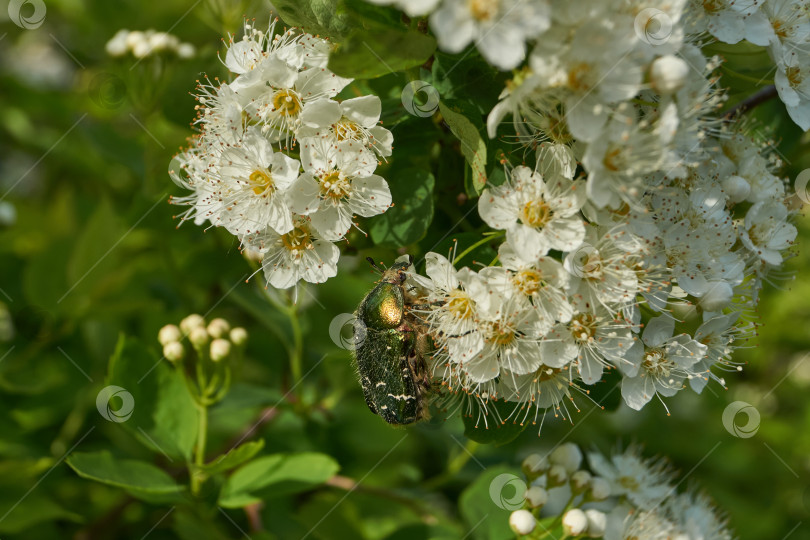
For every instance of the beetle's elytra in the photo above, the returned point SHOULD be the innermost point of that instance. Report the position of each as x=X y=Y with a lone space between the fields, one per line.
x=390 y=348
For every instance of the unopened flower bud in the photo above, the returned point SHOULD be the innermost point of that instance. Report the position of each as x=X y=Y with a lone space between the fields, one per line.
x=600 y=489
x=199 y=337
x=668 y=74
x=220 y=349
x=597 y=521
x=219 y=328
x=168 y=334
x=173 y=351
x=568 y=455
x=536 y=496
x=580 y=481
x=191 y=322
x=522 y=522
x=534 y=465
x=574 y=522
x=737 y=188
x=557 y=476
x=238 y=336
x=186 y=50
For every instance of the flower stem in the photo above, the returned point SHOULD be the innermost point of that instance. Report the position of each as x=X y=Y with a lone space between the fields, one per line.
x=481 y=242
x=197 y=478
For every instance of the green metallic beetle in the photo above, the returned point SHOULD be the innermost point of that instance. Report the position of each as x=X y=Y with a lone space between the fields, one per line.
x=391 y=345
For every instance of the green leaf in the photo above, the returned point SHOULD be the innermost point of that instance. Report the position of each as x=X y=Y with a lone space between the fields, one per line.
x=469 y=76
x=276 y=474
x=486 y=519
x=323 y=17
x=164 y=417
x=24 y=513
x=465 y=122
x=493 y=431
x=233 y=458
x=408 y=220
x=367 y=54
x=140 y=479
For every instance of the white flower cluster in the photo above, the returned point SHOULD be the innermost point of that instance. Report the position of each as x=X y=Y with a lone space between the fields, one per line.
x=280 y=163
x=147 y=43
x=640 y=240
x=622 y=496
x=583 y=42
x=783 y=26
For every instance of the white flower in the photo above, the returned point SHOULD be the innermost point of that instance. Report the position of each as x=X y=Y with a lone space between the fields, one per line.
x=337 y=184
x=597 y=522
x=413 y=8
x=499 y=28
x=543 y=281
x=355 y=119
x=593 y=339
x=296 y=255
x=793 y=84
x=511 y=331
x=252 y=183
x=659 y=362
x=766 y=232
x=718 y=333
x=538 y=215
x=644 y=482
x=457 y=298
x=725 y=19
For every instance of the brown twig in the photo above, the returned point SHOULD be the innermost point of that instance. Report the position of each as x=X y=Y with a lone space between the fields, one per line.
x=350 y=484
x=752 y=101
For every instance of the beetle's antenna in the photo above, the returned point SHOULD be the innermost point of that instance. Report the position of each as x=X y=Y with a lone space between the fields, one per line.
x=374 y=265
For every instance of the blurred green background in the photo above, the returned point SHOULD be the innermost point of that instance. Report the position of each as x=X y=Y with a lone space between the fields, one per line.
x=85 y=144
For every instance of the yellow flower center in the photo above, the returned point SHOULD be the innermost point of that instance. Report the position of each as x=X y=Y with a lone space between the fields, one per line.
x=335 y=186
x=713 y=6
x=794 y=76
x=287 y=103
x=483 y=10
x=578 y=77
x=460 y=305
x=298 y=239
x=262 y=182
x=529 y=281
x=613 y=161
x=346 y=129
x=501 y=335
x=779 y=28
x=536 y=213
x=656 y=363
x=583 y=327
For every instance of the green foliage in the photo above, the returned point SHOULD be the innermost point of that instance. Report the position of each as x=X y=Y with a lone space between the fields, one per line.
x=368 y=54
x=491 y=430
x=465 y=123
x=276 y=475
x=139 y=479
x=408 y=220
x=164 y=417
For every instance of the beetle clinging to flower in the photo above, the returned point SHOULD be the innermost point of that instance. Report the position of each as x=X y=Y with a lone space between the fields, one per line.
x=391 y=350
